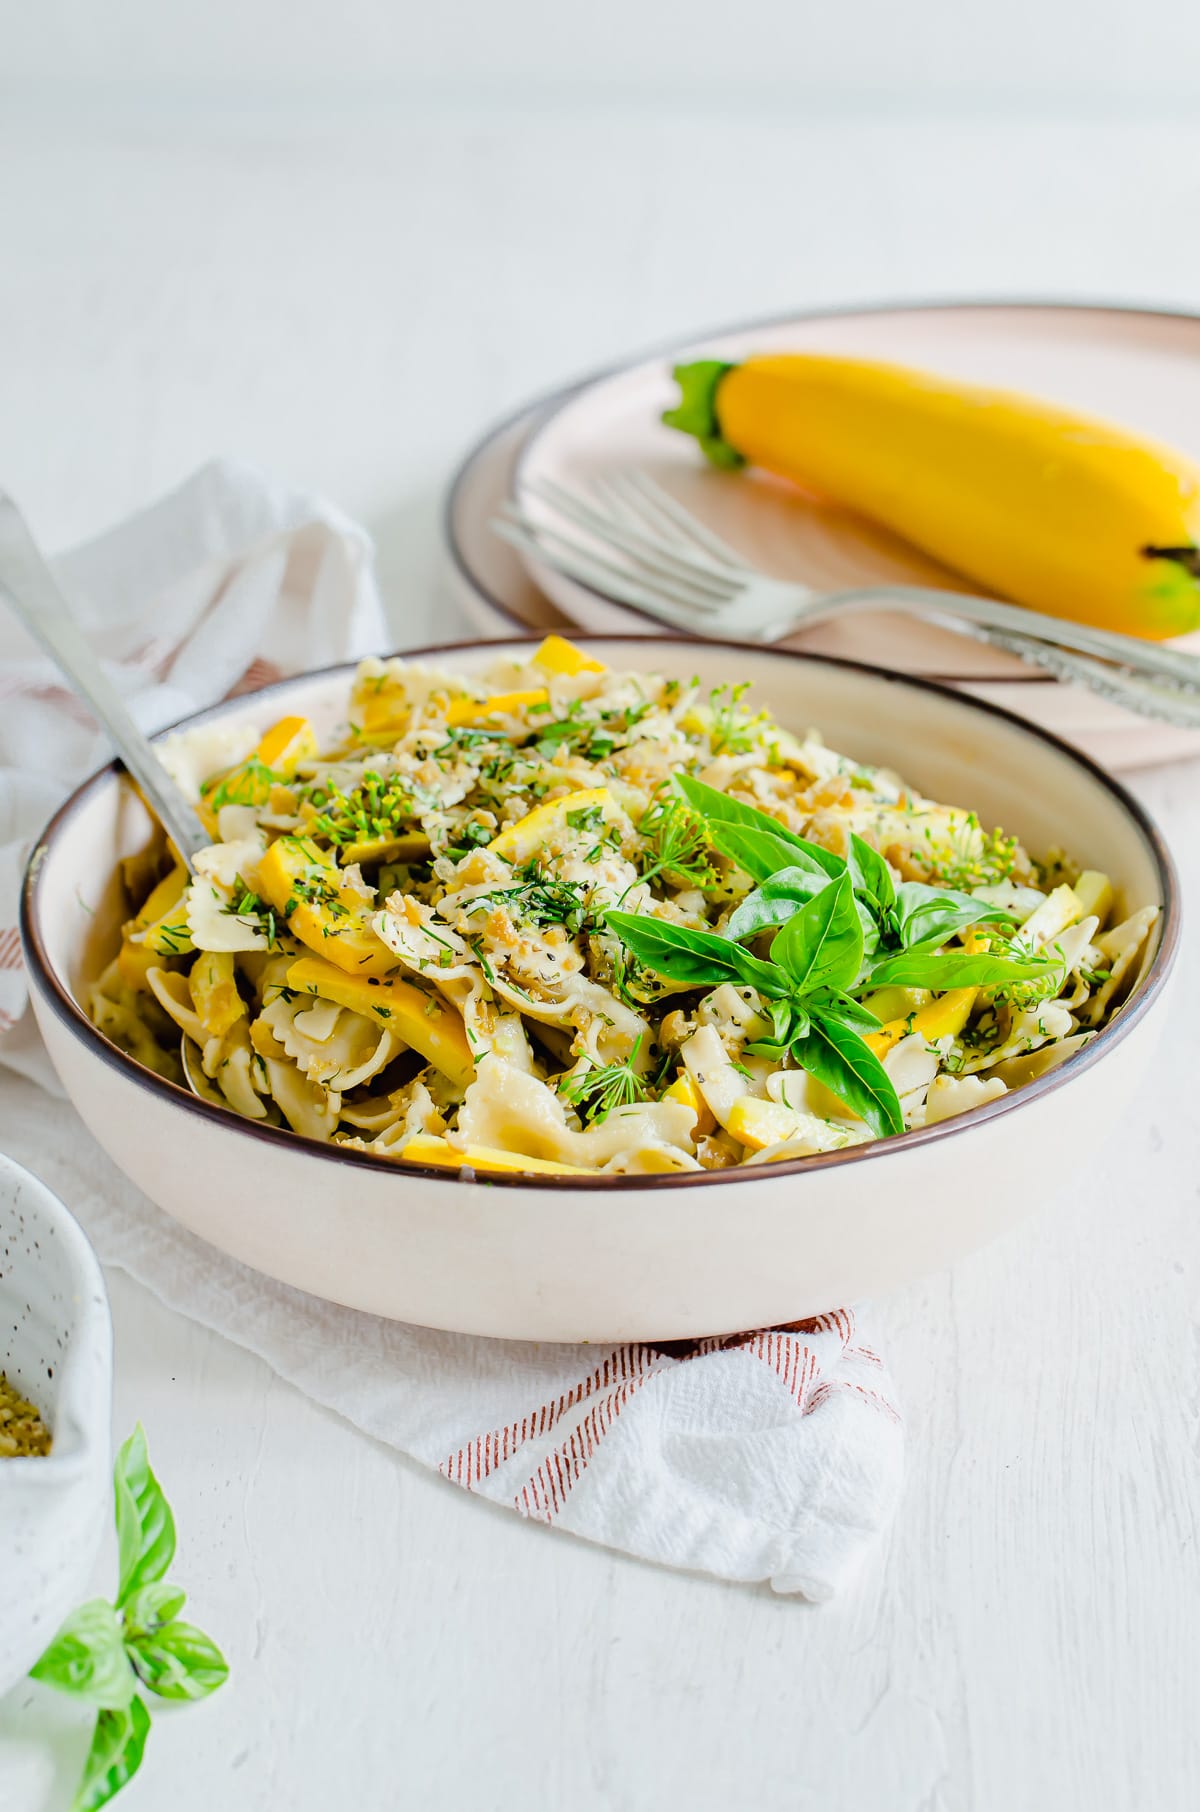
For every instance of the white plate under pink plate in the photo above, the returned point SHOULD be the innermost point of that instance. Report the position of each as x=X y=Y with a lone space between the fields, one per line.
x=1136 y=366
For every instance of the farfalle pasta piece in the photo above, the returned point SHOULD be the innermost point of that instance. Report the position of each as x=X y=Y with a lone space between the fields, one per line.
x=948 y=1096
x=511 y=1111
x=329 y=1043
x=1119 y=949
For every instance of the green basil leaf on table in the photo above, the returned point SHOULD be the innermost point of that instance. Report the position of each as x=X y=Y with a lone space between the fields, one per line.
x=118 y=1743
x=927 y=916
x=821 y=946
x=695 y=959
x=87 y=1658
x=151 y=1606
x=145 y=1526
x=940 y=970
x=836 y=1055
x=179 y=1661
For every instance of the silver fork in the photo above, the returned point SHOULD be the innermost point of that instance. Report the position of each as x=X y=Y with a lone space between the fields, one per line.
x=669 y=566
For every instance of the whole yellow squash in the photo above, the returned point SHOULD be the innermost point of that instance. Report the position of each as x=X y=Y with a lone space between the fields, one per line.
x=1066 y=515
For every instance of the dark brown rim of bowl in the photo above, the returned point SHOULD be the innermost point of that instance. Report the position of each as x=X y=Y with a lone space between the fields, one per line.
x=76 y=1021
x=546 y=406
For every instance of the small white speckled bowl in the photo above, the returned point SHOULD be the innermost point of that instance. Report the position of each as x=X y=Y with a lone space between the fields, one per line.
x=56 y=1348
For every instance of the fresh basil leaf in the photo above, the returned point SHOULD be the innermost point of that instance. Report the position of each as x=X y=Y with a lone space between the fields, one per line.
x=950 y=969
x=759 y=853
x=927 y=916
x=775 y=901
x=145 y=1526
x=821 y=946
x=851 y=1013
x=789 y=1021
x=118 y=1743
x=695 y=959
x=719 y=810
x=836 y=1055
x=870 y=874
x=152 y=1606
x=797 y=884
x=784 y=1014
x=179 y=1661
x=87 y=1658
x=870 y=926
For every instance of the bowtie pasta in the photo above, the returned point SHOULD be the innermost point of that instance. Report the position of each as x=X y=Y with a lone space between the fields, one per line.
x=570 y=920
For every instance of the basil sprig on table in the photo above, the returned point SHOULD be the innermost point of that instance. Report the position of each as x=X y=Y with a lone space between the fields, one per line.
x=104 y=1652
x=841 y=925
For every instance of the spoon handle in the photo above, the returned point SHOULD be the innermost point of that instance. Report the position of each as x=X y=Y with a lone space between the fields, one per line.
x=31 y=590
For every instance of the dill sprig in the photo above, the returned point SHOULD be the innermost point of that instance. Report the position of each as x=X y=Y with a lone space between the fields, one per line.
x=246 y=904
x=541 y=899
x=676 y=841
x=597 y=1091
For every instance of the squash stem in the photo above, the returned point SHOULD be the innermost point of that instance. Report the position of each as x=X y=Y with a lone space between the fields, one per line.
x=696 y=411
x=1188 y=557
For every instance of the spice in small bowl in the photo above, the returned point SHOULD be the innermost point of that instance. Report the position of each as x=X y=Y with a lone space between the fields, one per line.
x=23 y=1434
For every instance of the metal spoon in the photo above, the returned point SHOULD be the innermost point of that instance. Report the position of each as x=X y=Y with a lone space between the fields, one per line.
x=31 y=590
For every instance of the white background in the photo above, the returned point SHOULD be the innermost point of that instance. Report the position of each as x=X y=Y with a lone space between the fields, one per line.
x=790 y=53
x=338 y=240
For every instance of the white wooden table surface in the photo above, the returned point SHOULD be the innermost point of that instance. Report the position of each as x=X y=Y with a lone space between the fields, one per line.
x=347 y=303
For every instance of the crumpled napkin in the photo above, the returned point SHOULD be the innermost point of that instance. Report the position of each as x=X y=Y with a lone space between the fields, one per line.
x=775 y=1455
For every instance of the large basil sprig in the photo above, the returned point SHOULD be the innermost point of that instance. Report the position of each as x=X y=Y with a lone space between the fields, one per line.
x=104 y=1652
x=839 y=926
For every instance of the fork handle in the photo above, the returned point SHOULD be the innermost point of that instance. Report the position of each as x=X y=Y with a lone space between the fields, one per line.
x=31 y=590
x=1148 y=659
x=1161 y=699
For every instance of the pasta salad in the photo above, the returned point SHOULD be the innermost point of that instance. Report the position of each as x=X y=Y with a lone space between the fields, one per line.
x=571 y=920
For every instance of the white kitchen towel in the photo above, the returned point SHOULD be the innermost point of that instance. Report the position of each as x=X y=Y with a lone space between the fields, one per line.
x=774 y=1455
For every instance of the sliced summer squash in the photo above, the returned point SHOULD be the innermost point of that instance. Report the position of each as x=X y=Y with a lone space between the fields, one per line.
x=431 y=1026
x=300 y=881
x=213 y=982
x=502 y=704
x=557 y=655
x=427 y=1148
x=518 y=842
x=684 y=1089
x=942 y=1018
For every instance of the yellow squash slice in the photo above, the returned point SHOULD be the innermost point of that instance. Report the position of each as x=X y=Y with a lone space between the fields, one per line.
x=213 y=982
x=557 y=655
x=427 y=1148
x=501 y=704
x=300 y=881
x=518 y=842
x=942 y=1018
x=431 y=1026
